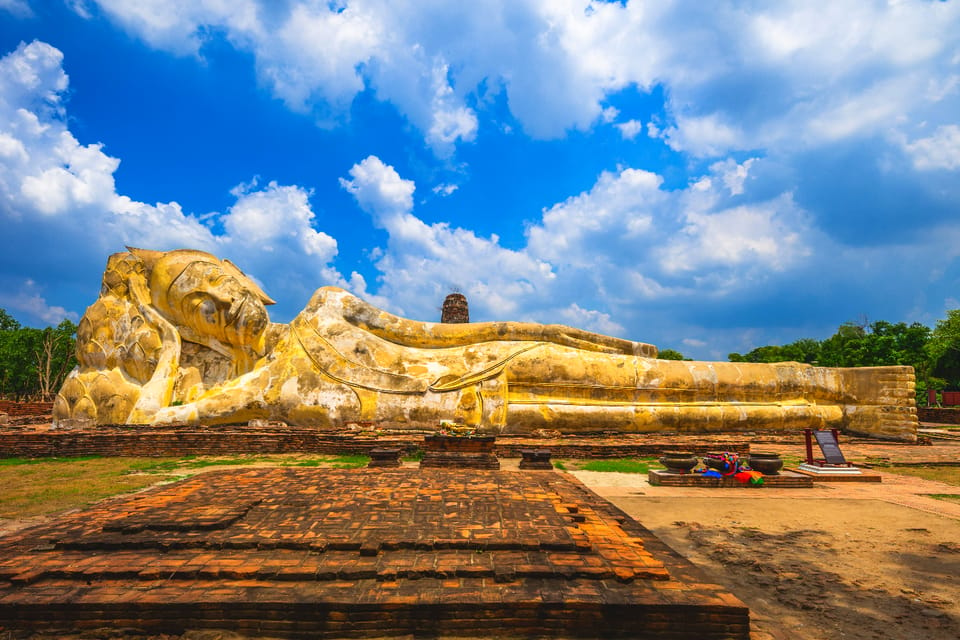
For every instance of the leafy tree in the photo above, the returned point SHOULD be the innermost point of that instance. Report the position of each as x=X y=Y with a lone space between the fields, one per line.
x=804 y=350
x=881 y=343
x=54 y=356
x=943 y=348
x=17 y=372
x=840 y=349
x=34 y=362
x=7 y=322
x=670 y=354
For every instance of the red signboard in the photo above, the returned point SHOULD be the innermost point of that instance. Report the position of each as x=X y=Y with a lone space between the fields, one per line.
x=951 y=398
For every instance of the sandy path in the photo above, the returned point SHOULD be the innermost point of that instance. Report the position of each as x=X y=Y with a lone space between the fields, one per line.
x=840 y=560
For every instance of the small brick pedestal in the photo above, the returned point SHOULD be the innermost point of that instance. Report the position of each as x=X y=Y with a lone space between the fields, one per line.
x=537 y=459
x=455 y=452
x=384 y=457
x=784 y=480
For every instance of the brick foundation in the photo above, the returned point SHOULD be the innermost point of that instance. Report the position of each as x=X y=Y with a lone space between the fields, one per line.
x=35 y=441
x=319 y=553
x=19 y=409
x=939 y=415
x=25 y=413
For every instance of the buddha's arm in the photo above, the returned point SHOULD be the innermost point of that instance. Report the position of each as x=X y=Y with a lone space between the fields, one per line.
x=433 y=335
x=239 y=399
x=157 y=392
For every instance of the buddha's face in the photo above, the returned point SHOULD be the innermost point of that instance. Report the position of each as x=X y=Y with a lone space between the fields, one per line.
x=212 y=302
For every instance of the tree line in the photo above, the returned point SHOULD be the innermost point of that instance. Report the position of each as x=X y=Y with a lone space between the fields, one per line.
x=933 y=353
x=34 y=362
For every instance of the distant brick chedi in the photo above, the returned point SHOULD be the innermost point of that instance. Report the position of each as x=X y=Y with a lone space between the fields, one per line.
x=184 y=337
x=455 y=309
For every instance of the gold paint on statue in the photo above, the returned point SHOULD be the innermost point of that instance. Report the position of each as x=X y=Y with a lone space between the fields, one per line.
x=184 y=337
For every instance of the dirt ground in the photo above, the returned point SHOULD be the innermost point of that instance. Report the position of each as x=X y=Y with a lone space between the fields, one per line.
x=839 y=560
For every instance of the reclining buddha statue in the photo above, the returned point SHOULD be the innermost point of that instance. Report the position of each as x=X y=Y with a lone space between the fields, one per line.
x=183 y=337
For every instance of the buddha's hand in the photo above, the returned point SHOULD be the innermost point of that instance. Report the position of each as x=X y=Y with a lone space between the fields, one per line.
x=182 y=414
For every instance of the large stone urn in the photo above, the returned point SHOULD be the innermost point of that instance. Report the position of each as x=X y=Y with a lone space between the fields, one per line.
x=767 y=463
x=679 y=461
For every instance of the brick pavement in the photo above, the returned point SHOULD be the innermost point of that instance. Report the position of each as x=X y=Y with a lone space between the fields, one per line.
x=361 y=552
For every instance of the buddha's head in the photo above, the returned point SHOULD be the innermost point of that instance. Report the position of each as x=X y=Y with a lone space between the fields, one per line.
x=209 y=300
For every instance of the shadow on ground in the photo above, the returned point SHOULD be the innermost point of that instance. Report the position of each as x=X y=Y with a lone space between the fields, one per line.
x=762 y=567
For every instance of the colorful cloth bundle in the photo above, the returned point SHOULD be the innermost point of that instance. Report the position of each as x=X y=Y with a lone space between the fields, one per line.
x=729 y=465
x=751 y=477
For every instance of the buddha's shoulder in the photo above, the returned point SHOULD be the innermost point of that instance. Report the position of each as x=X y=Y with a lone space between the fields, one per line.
x=325 y=297
x=330 y=304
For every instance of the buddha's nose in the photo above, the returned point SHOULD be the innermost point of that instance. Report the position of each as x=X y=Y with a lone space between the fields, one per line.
x=235 y=305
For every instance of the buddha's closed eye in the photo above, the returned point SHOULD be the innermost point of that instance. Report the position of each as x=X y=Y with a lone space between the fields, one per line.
x=208 y=310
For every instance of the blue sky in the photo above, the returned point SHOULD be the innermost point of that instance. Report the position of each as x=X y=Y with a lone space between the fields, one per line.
x=708 y=177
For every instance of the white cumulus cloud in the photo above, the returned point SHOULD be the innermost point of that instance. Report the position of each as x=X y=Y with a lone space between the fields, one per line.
x=597 y=321
x=624 y=244
x=767 y=235
x=379 y=189
x=629 y=129
x=423 y=262
x=789 y=74
x=939 y=151
x=59 y=195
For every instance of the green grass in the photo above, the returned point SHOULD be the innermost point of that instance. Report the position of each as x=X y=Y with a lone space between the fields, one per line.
x=153 y=465
x=791 y=460
x=948 y=475
x=617 y=465
x=157 y=465
x=416 y=456
x=13 y=462
x=348 y=462
x=191 y=463
x=200 y=463
x=948 y=497
x=39 y=486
